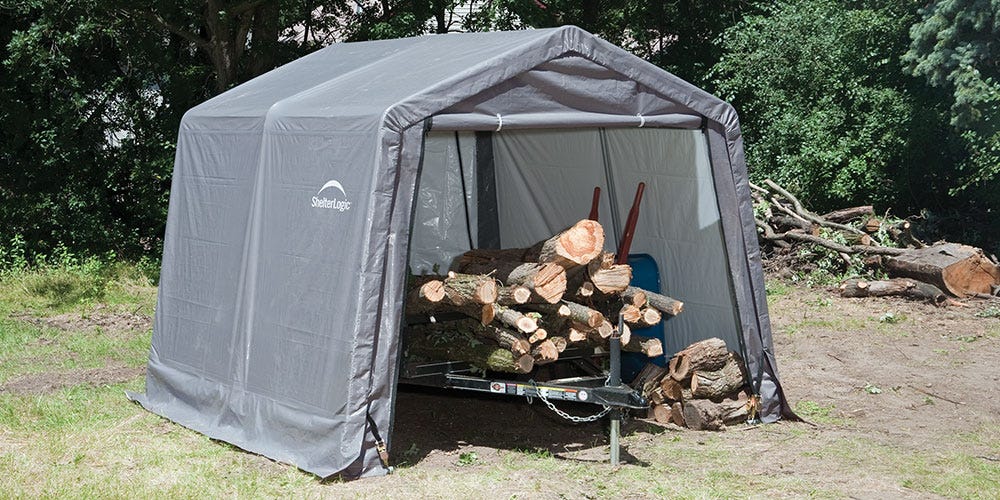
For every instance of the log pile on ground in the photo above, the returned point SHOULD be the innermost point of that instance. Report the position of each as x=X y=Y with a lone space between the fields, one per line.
x=857 y=241
x=509 y=310
x=704 y=388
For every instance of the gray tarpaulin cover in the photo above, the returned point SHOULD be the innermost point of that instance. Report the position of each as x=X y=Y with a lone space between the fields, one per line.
x=295 y=206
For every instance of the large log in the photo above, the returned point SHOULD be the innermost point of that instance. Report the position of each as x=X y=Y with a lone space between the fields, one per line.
x=958 y=269
x=574 y=246
x=898 y=286
x=457 y=346
x=717 y=384
x=547 y=282
x=671 y=389
x=704 y=355
x=704 y=414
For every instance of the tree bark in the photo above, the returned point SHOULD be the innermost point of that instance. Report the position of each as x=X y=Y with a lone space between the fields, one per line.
x=666 y=305
x=958 y=269
x=848 y=214
x=470 y=288
x=648 y=346
x=708 y=354
x=899 y=286
x=547 y=282
x=703 y=414
x=717 y=384
x=515 y=319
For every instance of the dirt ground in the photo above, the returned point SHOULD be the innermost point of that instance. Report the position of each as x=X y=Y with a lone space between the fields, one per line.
x=881 y=376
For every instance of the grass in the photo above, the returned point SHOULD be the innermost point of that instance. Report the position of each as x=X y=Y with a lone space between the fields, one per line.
x=85 y=439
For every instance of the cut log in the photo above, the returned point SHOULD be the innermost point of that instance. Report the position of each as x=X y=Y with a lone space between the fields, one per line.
x=677 y=414
x=717 y=384
x=559 y=342
x=538 y=336
x=560 y=310
x=608 y=277
x=704 y=355
x=545 y=352
x=430 y=291
x=661 y=413
x=703 y=414
x=584 y=314
x=650 y=316
x=671 y=389
x=899 y=287
x=666 y=305
x=849 y=214
x=634 y=296
x=462 y=289
x=648 y=346
x=457 y=346
x=515 y=319
x=631 y=313
x=484 y=313
x=957 y=269
x=547 y=282
x=572 y=247
x=679 y=367
x=577 y=333
x=513 y=295
x=872 y=225
x=648 y=379
x=789 y=223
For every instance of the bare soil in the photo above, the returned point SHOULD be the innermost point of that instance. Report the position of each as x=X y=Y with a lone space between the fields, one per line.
x=100 y=317
x=884 y=373
x=47 y=382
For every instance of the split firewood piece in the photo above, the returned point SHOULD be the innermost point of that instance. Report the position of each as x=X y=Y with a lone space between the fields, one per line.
x=715 y=384
x=538 y=336
x=666 y=305
x=671 y=389
x=954 y=268
x=661 y=413
x=899 y=286
x=631 y=314
x=649 y=346
x=608 y=277
x=455 y=346
x=703 y=414
x=577 y=333
x=513 y=295
x=677 y=414
x=503 y=337
x=574 y=246
x=649 y=316
x=545 y=352
x=626 y=335
x=461 y=289
x=559 y=342
x=547 y=282
x=708 y=354
x=648 y=379
x=515 y=319
x=634 y=296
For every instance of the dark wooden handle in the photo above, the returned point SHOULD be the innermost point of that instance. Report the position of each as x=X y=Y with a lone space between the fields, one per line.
x=595 y=203
x=633 y=217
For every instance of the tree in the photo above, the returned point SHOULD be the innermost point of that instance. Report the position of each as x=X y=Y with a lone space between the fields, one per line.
x=827 y=111
x=956 y=46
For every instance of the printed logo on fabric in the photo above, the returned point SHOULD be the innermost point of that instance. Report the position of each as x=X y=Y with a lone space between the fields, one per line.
x=340 y=205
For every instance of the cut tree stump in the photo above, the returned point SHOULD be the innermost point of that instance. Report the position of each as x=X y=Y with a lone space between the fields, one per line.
x=958 y=269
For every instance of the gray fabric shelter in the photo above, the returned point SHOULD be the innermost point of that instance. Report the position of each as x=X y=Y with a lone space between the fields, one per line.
x=295 y=197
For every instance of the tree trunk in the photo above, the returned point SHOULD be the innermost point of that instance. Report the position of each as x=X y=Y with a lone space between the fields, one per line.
x=957 y=269
x=848 y=214
x=900 y=286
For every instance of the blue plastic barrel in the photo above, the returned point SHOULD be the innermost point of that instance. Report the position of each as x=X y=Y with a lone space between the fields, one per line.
x=645 y=275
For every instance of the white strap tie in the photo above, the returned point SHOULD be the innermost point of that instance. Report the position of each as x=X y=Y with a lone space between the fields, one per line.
x=642 y=120
x=499 y=122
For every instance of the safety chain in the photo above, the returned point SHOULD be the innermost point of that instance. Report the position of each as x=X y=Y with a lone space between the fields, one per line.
x=572 y=418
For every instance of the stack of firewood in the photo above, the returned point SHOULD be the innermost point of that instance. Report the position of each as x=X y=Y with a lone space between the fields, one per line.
x=861 y=240
x=509 y=310
x=703 y=387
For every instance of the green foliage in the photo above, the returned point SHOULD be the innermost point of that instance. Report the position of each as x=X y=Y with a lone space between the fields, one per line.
x=826 y=110
x=956 y=46
x=468 y=458
x=989 y=312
